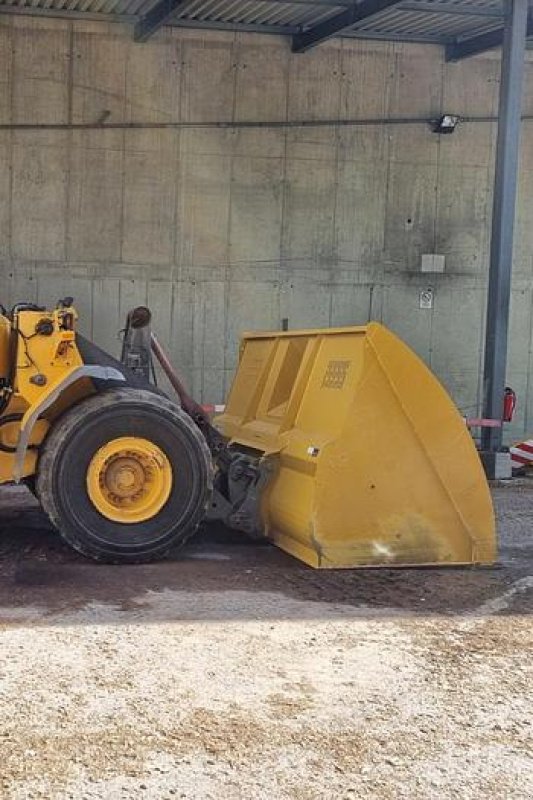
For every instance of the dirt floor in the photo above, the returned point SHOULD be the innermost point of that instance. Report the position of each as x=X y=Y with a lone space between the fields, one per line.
x=233 y=671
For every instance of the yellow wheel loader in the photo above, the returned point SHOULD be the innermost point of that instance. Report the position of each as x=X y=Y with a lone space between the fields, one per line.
x=338 y=445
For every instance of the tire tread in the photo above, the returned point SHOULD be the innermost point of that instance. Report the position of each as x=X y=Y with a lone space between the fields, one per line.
x=70 y=421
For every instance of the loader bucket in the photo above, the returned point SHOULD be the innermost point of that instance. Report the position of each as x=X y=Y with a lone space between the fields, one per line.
x=374 y=466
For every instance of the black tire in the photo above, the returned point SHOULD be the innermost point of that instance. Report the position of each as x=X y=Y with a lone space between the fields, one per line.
x=67 y=453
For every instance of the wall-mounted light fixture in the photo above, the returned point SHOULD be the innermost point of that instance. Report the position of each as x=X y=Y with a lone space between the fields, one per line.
x=446 y=124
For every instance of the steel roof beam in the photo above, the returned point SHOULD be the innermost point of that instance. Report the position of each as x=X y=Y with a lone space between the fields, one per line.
x=161 y=14
x=466 y=48
x=334 y=26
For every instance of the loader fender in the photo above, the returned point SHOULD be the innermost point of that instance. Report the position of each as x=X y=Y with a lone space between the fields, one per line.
x=48 y=398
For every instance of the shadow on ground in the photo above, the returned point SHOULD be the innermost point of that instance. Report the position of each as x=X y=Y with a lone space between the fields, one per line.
x=37 y=570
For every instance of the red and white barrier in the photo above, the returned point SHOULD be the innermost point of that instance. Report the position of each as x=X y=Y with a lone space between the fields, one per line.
x=481 y=422
x=522 y=454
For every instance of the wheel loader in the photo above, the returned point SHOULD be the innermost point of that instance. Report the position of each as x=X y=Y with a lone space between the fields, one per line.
x=338 y=445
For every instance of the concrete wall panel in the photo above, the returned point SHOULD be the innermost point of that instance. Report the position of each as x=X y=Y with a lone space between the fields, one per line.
x=5 y=192
x=252 y=305
x=256 y=209
x=153 y=80
x=311 y=144
x=402 y=313
x=203 y=209
x=352 y=305
x=308 y=304
x=462 y=211
x=150 y=168
x=314 y=93
x=360 y=211
x=261 y=79
x=520 y=330
x=523 y=250
x=208 y=79
x=410 y=224
x=471 y=87
x=95 y=196
x=416 y=81
x=39 y=196
x=40 y=70
x=20 y=284
x=100 y=57
x=106 y=321
x=366 y=145
x=456 y=342
x=526 y=150
x=314 y=85
x=182 y=315
x=257 y=142
x=309 y=226
x=366 y=79
x=6 y=60
x=209 y=339
x=519 y=363
x=413 y=144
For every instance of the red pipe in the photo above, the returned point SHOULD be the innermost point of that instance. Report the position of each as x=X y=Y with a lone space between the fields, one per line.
x=188 y=404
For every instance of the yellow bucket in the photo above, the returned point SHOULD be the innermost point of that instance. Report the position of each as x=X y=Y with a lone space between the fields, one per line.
x=374 y=464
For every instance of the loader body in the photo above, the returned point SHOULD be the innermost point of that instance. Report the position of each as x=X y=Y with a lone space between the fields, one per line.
x=339 y=445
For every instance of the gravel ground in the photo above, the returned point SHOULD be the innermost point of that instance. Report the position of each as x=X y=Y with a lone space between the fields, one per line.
x=233 y=671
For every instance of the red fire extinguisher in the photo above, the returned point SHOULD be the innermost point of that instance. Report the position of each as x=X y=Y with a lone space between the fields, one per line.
x=509 y=404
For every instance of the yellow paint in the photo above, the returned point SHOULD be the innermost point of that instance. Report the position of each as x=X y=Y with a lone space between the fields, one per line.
x=54 y=357
x=375 y=464
x=9 y=434
x=5 y=333
x=129 y=480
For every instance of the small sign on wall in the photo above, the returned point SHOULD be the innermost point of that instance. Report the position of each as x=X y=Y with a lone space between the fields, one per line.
x=426 y=298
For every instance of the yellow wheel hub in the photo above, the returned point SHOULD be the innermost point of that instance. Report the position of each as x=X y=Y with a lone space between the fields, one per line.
x=129 y=480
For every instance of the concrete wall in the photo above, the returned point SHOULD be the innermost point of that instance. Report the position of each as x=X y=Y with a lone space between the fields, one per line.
x=224 y=229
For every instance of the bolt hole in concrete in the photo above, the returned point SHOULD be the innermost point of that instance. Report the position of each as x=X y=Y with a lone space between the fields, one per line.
x=233 y=671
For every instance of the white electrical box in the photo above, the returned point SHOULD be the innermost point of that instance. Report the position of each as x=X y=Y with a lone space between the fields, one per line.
x=431 y=262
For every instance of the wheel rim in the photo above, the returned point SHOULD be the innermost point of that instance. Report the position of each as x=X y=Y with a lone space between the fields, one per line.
x=129 y=480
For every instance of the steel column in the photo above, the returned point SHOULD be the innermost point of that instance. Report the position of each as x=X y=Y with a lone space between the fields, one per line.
x=503 y=214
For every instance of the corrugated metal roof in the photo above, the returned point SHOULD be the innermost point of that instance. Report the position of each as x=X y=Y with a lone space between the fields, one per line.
x=435 y=21
x=259 y=12
x=432 y=25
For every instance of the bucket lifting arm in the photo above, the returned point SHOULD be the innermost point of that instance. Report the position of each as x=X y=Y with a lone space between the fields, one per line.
x=240 y=478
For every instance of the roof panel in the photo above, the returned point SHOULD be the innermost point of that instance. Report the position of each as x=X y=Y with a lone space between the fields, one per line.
x=267 y=12
x=398 y=22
